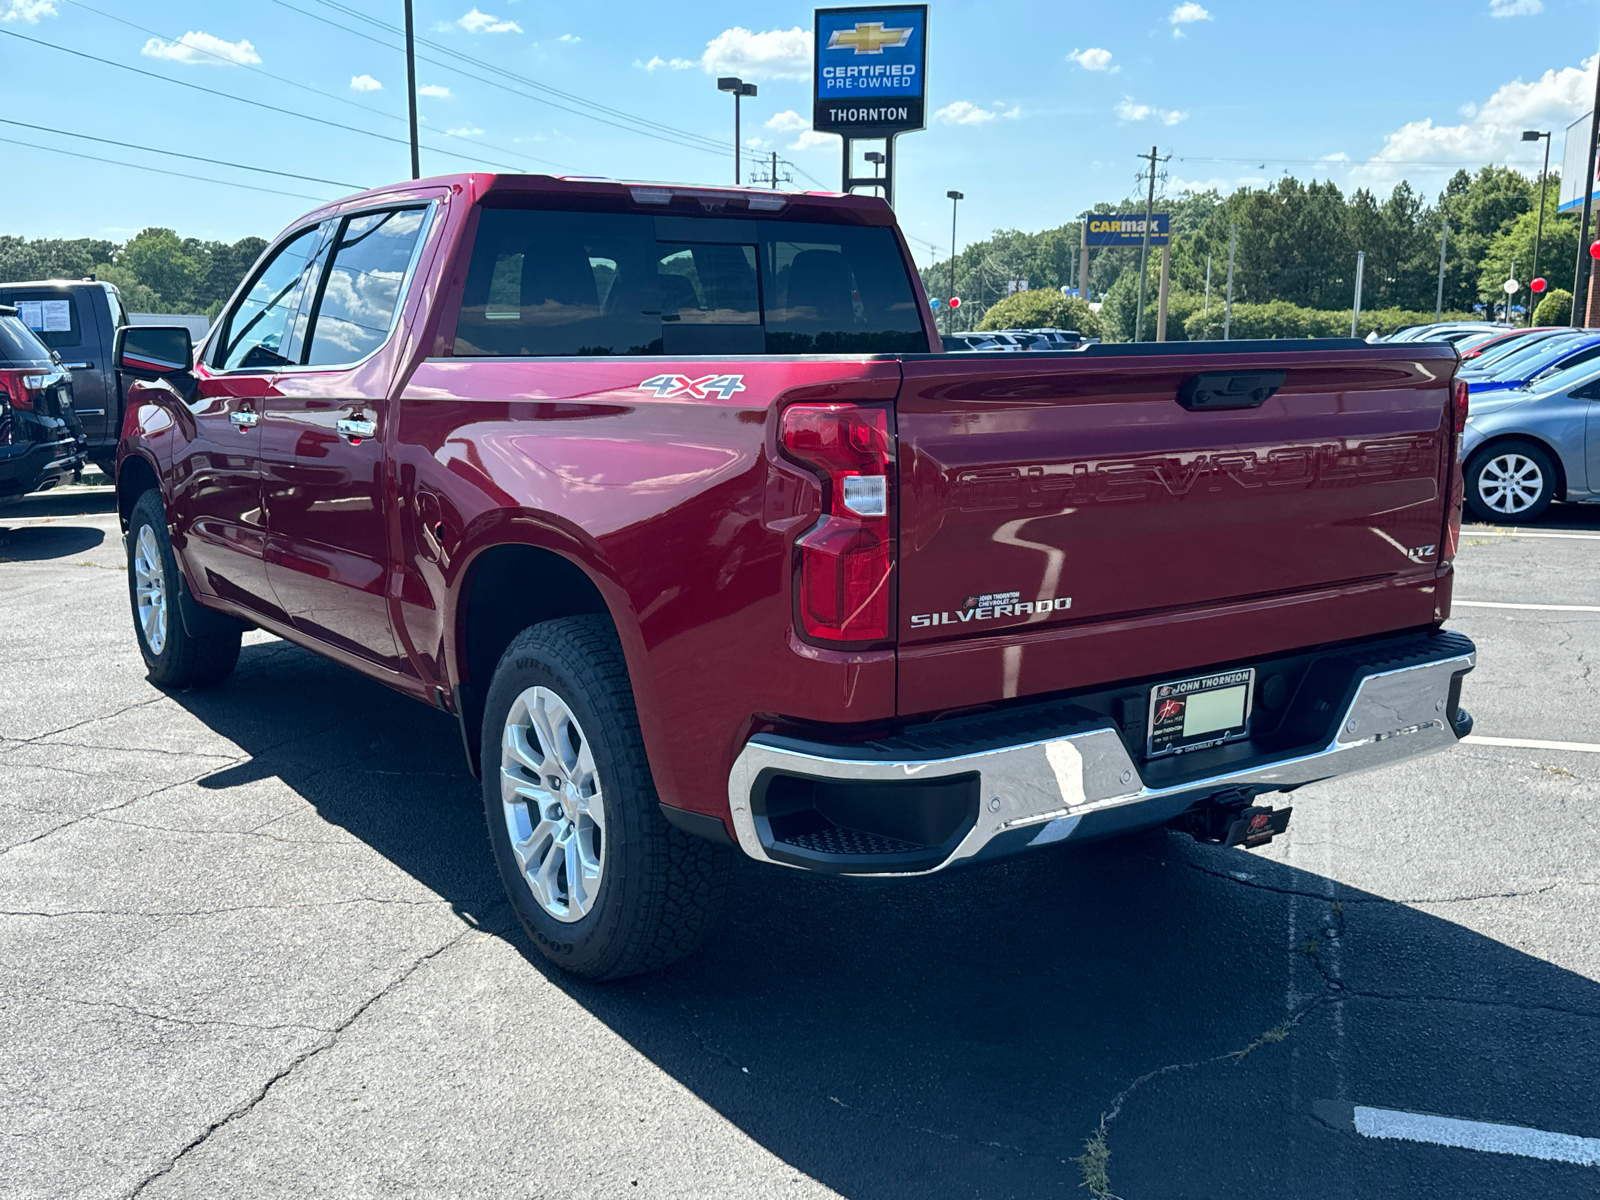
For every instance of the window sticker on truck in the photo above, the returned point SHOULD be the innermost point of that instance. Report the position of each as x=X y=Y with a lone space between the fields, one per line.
x=991 y=607
x=666 y=386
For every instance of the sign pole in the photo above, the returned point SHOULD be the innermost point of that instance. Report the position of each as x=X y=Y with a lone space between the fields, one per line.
x=1144 y=250
x=1227 y=313
x=1438 y=304
x=1083 y=259
x=1580 y=280
x=1161 y=301
x=1361 y=266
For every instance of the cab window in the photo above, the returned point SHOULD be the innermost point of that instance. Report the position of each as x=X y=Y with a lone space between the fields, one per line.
x=254 y=331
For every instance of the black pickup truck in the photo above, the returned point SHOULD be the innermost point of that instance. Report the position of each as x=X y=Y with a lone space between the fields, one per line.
x=41 y=443
x=78 y=319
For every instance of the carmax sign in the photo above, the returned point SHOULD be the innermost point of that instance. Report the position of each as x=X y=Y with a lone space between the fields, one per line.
x=1117 y=229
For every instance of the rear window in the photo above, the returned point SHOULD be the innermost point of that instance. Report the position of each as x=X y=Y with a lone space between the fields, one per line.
x=53 y=316
x=556 y=283
x=19 y=344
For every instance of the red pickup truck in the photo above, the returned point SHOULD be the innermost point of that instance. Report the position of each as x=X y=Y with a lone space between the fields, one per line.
x=670 y=497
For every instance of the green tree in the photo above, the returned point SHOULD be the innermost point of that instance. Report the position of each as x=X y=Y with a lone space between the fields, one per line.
x=1041 y=308
x=157 y=259
x=1554 y=309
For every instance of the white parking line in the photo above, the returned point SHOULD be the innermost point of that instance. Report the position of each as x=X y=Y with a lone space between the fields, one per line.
x=1581 y=537
x=1477 y=1135
x=1535 y=607
x=1473 y=739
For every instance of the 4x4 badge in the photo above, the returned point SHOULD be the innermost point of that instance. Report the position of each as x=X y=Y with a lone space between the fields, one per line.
x=721 y=386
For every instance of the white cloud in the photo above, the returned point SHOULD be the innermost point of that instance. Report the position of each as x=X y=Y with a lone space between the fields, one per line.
x=482 y=22
x=1515 y=8
x=1093 y=59
x=656 y=63
x=774 y=54
x=963 y=113
x=570 y=39
x=790 y=121
x=198 y=47
x=1187 y=14
x=437 y=90
x=1127 y=110
x=26 y=10
x=365 y=83
x=464 y=131
x=1493 y=131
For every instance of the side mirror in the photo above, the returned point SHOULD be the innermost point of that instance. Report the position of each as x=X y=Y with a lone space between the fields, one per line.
x=153 y=351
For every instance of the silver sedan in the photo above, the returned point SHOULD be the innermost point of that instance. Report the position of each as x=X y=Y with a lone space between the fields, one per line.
x=1526 y=447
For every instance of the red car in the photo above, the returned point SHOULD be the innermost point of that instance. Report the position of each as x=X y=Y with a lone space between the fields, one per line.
x=670 y=496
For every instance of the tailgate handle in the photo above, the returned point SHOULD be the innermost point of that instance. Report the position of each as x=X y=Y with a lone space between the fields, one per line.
x=1230 y=389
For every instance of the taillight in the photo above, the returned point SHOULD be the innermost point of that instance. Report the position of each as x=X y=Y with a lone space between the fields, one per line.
x=847 y=557
x=1463 y=398
x=14 y=392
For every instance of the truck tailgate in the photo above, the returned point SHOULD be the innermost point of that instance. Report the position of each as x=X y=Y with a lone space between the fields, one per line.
x=1065 y=521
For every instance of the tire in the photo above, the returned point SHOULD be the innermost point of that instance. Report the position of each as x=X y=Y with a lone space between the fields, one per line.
x=1510 y=483
x=603 y=885
x=172 y=657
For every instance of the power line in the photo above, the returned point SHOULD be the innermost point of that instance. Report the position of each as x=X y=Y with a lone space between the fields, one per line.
x=1263 y=160
x=250 y=187
x=642 y=126
x=238 y=99
x=306 y=87
x=217 y=162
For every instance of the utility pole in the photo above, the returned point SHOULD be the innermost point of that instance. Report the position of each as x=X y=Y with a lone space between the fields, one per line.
x=1533 y=135
x=1208 y=285
x=1444 y=239
x=1361 y=266
x=949 y=318
x=1227 y=313
x=1144 y=250
x=1580 y=277
x=411 y=91
x=774 y=170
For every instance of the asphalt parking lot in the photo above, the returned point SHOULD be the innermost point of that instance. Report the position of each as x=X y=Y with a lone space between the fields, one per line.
x=252 y=944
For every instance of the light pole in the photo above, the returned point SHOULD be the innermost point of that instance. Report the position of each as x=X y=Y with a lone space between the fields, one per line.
x=1533 y=135
x=875 y=157
x=955 y=198
x=740 y=89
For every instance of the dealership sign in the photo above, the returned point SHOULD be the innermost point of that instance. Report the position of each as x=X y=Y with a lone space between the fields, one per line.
x=1116 y=229
x=870 y=70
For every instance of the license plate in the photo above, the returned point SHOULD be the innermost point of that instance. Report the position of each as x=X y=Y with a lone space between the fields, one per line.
x=1207 y=710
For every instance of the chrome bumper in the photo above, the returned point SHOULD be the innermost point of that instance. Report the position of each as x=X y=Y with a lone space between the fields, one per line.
x=1050 y=785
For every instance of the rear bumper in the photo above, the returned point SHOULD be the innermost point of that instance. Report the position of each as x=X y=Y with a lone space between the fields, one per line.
x=35 y=465
x=843 y=809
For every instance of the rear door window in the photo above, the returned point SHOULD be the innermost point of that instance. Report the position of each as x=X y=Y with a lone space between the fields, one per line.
x=552 y=283
x=360 y=291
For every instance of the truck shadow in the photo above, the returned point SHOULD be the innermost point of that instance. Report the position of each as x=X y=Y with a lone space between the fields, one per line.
x=962 y=1035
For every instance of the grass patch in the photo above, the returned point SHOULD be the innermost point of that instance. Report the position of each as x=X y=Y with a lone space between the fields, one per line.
x=1092 y=1162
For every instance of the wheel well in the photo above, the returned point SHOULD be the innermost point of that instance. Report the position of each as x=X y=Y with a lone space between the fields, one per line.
x=1555 y=458
x=134 y=479
x=508 y=589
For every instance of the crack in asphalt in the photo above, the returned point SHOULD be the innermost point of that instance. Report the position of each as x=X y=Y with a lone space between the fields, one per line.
x=215 y=912
x=89 y=816
x=332 y=1039
x=1285 y=891
x=156 y=699
x=156 y=1016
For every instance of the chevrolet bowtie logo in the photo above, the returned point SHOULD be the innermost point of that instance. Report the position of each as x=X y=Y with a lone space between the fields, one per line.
x=869 y=37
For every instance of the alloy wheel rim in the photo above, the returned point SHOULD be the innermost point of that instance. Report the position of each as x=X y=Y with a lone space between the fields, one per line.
x=150 y=589
x=554 y=809
x=1510 y=484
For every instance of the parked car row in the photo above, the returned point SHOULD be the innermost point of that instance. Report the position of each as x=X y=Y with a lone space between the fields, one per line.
x=1010 y=340
x=1532 y=435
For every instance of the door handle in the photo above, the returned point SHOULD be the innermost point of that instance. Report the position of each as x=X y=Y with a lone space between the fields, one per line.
x=78 y=366
x=245 y=419
x=356 y=428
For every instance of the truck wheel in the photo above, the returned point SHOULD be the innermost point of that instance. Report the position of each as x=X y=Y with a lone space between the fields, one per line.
x=173 y=658
x=603 y=885
x=1511 y=483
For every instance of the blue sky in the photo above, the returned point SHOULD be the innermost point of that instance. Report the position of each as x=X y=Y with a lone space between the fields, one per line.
x=1039 y=108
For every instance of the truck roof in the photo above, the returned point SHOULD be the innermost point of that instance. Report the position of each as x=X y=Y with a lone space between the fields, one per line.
x=644 y=195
